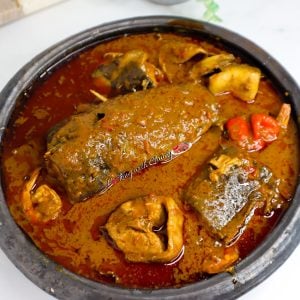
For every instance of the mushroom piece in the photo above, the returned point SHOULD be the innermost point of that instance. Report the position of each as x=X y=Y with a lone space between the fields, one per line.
x=147 y=229
x=174 y=53
x=241 y=80
x=209 y=64
x=124 y=73
x=40 y=204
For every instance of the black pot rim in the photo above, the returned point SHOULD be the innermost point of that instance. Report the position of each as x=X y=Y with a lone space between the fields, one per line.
x=63 y=284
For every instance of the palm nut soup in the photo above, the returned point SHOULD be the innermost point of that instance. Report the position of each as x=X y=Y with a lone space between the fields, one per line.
x=151 y=161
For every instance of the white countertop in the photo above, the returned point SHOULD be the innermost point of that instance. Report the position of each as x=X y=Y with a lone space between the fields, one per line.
x=272 y=24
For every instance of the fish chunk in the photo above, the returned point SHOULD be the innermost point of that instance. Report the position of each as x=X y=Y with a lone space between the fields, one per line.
x=124 y=73
x=210 y=64
x=241 y=80
x=227 y=191
x=119 y=137
x=147 y=229
x=173 y=53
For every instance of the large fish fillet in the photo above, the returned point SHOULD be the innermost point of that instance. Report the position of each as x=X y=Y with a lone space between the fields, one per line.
x=95 y=148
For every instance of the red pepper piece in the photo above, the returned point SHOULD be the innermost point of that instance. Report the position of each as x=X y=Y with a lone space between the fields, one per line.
x=238 y=129
x=264 y=127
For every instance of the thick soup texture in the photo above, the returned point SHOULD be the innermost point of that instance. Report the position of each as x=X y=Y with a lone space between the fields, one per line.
x=150 y=161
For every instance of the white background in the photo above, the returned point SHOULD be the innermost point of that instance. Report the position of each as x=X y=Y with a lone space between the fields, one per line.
x=272 y=24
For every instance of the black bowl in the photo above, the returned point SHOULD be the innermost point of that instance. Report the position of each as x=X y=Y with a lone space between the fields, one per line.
x=63 y=284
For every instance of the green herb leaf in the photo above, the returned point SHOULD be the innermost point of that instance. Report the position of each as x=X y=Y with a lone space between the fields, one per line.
x=210 y=13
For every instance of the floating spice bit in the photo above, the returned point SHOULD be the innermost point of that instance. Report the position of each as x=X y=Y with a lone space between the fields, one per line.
x=99 y=96
x=100 y=116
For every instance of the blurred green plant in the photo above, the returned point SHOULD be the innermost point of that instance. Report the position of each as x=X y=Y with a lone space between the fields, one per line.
x=211 y=9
